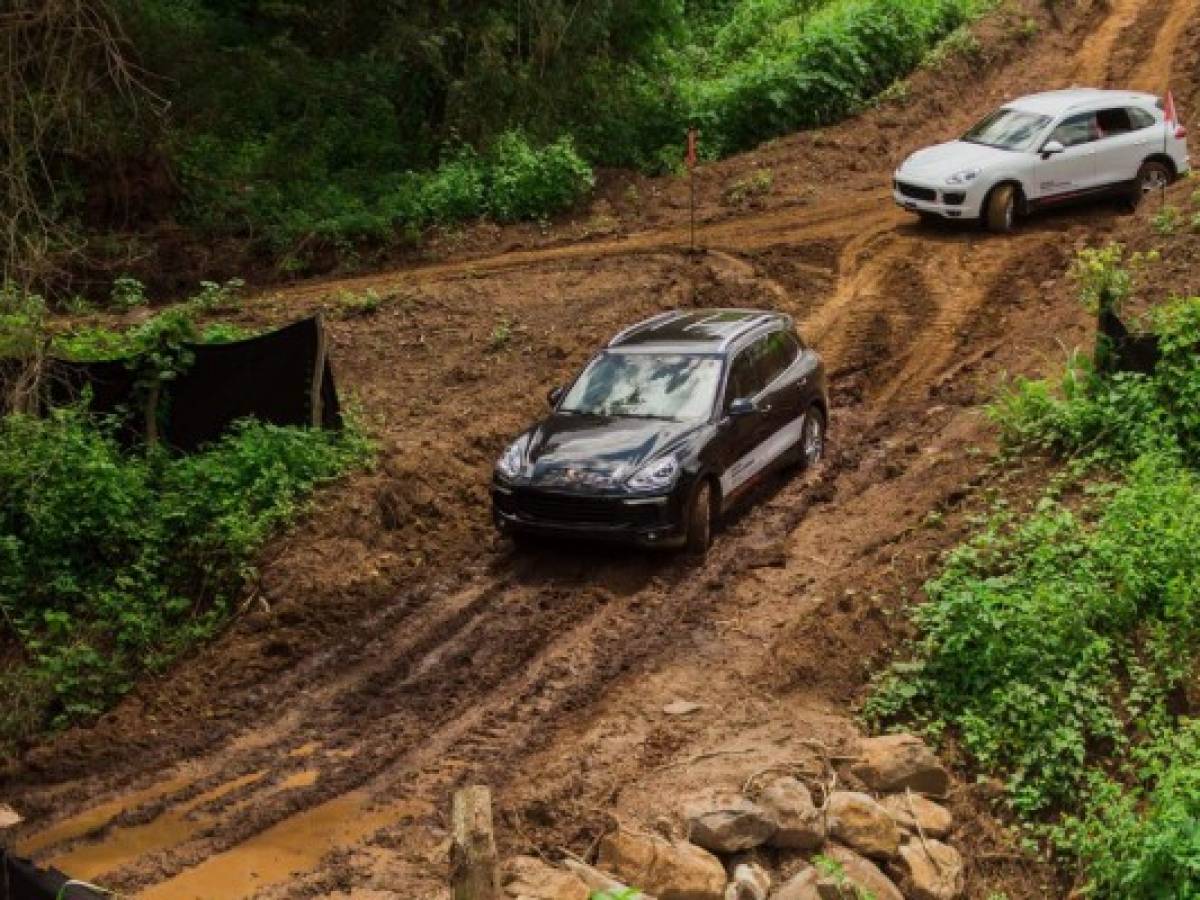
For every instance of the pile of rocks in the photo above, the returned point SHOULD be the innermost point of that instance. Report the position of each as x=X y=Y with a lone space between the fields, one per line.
x=884 y=840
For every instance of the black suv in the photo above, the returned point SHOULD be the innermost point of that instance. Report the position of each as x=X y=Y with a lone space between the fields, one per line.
x=664 y=429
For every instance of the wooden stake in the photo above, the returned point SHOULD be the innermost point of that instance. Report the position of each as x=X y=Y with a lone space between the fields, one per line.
x=473 y=874
x=318 y=378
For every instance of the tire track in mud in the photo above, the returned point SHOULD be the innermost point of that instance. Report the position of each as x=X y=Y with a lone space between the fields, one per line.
x=439 y=686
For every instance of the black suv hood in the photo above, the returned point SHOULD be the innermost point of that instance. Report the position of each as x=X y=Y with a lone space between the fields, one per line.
x=598 y=452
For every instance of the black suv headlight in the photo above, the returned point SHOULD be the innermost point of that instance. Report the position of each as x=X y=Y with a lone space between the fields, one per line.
x=512 y=463
x=659 y=475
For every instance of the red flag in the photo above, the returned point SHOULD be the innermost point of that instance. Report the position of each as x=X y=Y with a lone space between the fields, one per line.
x=691 y=149
x=1171 y=117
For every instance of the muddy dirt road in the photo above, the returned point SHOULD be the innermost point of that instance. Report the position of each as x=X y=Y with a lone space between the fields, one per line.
x=393 y=648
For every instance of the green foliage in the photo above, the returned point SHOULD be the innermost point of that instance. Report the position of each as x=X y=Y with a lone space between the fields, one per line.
x=960 y=42
x=525 y=183
x=311 y=126
x=1140 y=838
x=816 y=69
x=624 y=894
x=112 y=564
x=1034 y=628
x=1059 y=648
x=501 y=335
x=214 y=296
x=127 y=293
x=1119 y=416
x=834 y=871
x=22 y=321
x=1122 y=415
x=1167 y=220
x=757 y=184
x=351 y=305
x=1101 y=275
x=224 y=333
x=159 y=339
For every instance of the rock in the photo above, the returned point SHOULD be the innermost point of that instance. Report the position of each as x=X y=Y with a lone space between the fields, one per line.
x=725 y=822
x=896 y=762
x=671 y=870
x=527 y=878
x=802 y=886
x=857 y=820
x=800 y=824
x=9 y=817
x=682 y=708
x=931 y=870
x=597 y=880
x=750 y=882
x=856 y=873
x=911 y=810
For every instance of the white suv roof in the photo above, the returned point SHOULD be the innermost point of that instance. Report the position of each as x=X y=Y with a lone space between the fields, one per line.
x=1052 y=103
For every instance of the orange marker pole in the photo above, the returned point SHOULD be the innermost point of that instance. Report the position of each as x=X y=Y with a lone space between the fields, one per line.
x=691 y=164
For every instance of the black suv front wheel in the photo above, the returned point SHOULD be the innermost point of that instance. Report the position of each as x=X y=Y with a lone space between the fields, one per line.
x=700 y=515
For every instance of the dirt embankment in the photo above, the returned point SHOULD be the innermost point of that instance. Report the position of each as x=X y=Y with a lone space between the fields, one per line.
x=400 y=649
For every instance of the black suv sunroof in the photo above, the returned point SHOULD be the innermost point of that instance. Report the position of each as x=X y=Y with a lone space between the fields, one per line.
x=701 y=326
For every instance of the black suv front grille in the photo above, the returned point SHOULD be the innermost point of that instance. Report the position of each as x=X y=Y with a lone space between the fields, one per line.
x=917 y=193
x=569 y=509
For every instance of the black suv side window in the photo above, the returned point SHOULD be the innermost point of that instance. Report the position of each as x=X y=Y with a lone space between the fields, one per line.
x=1075 y=130
x=749 y=373
x=1112 y=122
x=781 y=351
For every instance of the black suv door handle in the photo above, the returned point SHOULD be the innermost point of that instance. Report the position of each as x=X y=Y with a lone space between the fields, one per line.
x=765 y=408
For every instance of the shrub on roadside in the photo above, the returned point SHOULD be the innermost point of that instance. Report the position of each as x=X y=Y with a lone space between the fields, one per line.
x=1033 y=631
x=1060 y=649
x=111 y=564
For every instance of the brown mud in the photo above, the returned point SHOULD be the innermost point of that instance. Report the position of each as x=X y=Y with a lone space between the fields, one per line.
x=392 y=648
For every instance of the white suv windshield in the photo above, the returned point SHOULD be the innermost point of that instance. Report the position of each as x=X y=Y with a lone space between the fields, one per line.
x=1008 y=129
x=646 y=385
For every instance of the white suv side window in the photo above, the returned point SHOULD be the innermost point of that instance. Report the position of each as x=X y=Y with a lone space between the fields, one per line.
x=1075 y=130
x=1113 y=122
x=1140 y=118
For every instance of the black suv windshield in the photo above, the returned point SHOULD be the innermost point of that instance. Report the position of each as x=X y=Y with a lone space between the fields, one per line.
x=1008 y=129
x=678 y=387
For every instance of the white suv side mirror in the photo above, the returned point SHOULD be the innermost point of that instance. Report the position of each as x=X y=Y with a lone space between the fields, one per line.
x=1052 y=147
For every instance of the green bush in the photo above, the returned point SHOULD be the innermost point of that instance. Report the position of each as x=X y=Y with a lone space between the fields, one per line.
x=1142 y=839
x=1034 y=629
x=527 y=183
x=1060 y=648
x=811 y=70
x=1119 y=416
x=111 y=563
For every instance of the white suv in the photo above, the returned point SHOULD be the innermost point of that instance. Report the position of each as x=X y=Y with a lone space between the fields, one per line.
x=1046 y=149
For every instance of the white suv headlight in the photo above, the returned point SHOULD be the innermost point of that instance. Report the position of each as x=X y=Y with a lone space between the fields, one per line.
x=512 y=463
x=659 y=475
x=966 y=176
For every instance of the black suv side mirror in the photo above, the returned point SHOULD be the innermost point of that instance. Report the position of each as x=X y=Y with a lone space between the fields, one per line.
x=554 y=395
x=743 y=406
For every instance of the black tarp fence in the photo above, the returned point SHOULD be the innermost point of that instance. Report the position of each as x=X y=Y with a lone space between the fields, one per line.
x=1120 y=350
x=283 y=378
x=20 y=879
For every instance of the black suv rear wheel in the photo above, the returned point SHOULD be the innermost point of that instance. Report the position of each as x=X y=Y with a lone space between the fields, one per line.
x=812 y=437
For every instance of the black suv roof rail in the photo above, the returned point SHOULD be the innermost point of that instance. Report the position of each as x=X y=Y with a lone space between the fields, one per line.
x=633 y=329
